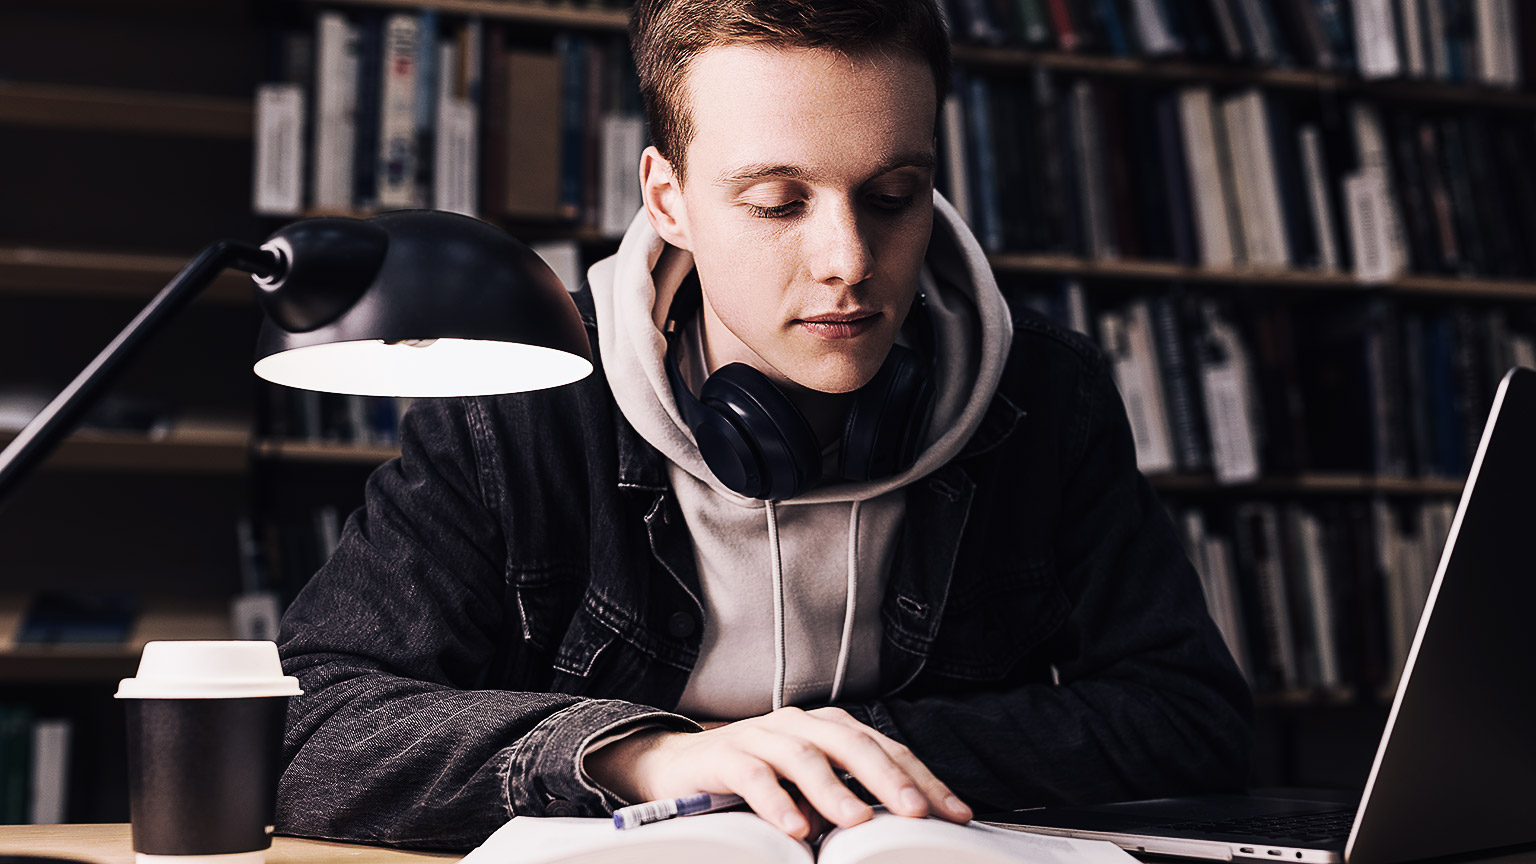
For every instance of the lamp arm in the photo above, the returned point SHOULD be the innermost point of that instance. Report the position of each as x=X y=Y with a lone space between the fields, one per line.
x=58 y=419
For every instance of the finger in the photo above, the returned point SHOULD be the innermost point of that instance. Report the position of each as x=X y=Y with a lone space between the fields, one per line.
x=942 y=801
x=758 y=784
x=807 y=766
x=854 y=749
x=819 y=823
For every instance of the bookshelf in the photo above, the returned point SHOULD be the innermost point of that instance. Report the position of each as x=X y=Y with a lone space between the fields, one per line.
x=101 y=109
x=129 y=130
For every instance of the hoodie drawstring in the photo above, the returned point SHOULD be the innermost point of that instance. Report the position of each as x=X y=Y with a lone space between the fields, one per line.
x=778 y=607
x=846 y=643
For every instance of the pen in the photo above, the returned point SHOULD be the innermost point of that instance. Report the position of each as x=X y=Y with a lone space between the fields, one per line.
x=657 y=811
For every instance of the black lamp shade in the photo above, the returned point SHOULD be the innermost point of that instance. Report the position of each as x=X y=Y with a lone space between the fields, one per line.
x=415 y=303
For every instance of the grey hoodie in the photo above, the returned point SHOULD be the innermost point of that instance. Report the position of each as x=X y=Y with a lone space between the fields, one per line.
x=819 y=561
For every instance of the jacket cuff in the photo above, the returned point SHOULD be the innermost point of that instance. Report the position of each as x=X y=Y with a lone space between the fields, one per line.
x=544 y=776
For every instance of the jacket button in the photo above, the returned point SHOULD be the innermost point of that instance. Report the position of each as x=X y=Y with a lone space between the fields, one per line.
x=561 y=807
x=680 y=624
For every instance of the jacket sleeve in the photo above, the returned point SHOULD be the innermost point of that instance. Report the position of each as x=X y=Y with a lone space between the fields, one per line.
x=1147 y=701
x=391 y=742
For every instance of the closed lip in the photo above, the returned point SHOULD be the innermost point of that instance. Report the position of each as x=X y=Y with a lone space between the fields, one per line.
x=839 y=317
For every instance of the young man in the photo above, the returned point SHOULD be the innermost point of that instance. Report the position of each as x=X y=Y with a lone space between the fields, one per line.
x=558 y=602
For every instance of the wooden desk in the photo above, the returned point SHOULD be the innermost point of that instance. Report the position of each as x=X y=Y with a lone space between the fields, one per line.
x=109 y=844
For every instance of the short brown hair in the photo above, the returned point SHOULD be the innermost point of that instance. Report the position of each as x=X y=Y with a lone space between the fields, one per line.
x=666 y=35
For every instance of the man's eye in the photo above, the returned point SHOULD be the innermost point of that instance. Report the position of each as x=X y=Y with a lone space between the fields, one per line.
x=778 y=211
x=890 y=202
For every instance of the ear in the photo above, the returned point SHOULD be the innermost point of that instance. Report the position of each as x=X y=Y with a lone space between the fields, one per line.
x=663 y=196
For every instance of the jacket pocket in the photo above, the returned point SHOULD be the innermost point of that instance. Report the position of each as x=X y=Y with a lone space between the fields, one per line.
x=995 y=620
x=584 y=642
x=545 y=600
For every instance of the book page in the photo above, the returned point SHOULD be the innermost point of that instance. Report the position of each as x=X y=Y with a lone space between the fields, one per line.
x=890 y=839
x=741 y=838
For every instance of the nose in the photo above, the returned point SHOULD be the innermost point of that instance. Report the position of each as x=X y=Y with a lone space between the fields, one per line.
x=838 y=247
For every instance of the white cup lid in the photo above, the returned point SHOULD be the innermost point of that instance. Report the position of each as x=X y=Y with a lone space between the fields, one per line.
x=208 y=670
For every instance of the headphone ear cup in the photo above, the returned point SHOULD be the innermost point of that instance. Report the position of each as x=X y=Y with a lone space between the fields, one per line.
x=887 y=418
x=787 y=454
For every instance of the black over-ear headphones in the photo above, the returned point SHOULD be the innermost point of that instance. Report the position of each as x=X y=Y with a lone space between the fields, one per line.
x=758 y=443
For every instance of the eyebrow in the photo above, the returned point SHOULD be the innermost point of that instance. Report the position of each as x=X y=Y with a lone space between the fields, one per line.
x=760 y=170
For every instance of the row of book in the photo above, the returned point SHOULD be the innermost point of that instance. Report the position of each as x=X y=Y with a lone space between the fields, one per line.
x=1249 y=179
x=380 y=111
x=1244 y=386
x=1321 y=597
x=289 y=414
x=34 y=766
x=1486 y=42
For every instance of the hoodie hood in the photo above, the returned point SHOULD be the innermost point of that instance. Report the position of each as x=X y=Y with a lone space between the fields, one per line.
x=633 y=289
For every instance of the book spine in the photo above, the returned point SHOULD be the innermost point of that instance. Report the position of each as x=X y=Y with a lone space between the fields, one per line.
x=572 y=51
x=397 y=118
x=1034 y=29
x=1376 y=39
x=1093 y=194
x=1203 y=167
x=1413 y=38
x=1227 y=26
x=1061 y=21
x=1497 y=52
x=623 y=144
x=49 y=787
x=956 y=164
x=365 y=139
x=1316 y=173
x=1128 y=339
x=279 y=171
x=1225 y=600
x=1224 y=381
x=1154 y=33
x=428 y=77
x=1184 y=410
x=1178 y=189
x=336 y=109
x=984 y=161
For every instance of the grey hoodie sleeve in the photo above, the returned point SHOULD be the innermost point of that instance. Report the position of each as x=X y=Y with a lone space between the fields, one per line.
x=391 y=742
x=1149 y=701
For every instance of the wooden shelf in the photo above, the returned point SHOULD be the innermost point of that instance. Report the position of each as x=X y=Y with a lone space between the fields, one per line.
x=1310 y=484
x=1175 y=70
x=189 y=451
x=127 y=276
x=526 y=229
x=549 y=15
x=159 y=618
x=325 y=451
x=1308 y=698
x=1440 y=286
x=107 y=110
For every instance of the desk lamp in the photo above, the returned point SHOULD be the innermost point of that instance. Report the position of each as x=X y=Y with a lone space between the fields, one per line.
x=409 y=303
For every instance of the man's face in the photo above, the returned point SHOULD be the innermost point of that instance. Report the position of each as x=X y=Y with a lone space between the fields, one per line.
x=808 y=206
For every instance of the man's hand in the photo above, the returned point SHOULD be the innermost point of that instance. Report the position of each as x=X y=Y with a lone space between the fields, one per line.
x=750 y=757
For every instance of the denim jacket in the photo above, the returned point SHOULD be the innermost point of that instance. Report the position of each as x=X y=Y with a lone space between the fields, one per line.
x=520 y=584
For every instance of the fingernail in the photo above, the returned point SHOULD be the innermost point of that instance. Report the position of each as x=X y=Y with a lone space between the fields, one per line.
x=853 y=808
x=913 y=800
x=957 y=807
x=794 y=823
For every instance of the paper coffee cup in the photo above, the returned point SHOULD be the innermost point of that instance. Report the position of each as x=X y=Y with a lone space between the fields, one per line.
x=205 y=723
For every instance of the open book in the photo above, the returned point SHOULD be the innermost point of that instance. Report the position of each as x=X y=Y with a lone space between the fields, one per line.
x=743 y=838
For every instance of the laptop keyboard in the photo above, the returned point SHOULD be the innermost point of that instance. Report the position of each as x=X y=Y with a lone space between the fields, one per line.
x=1324 y=826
